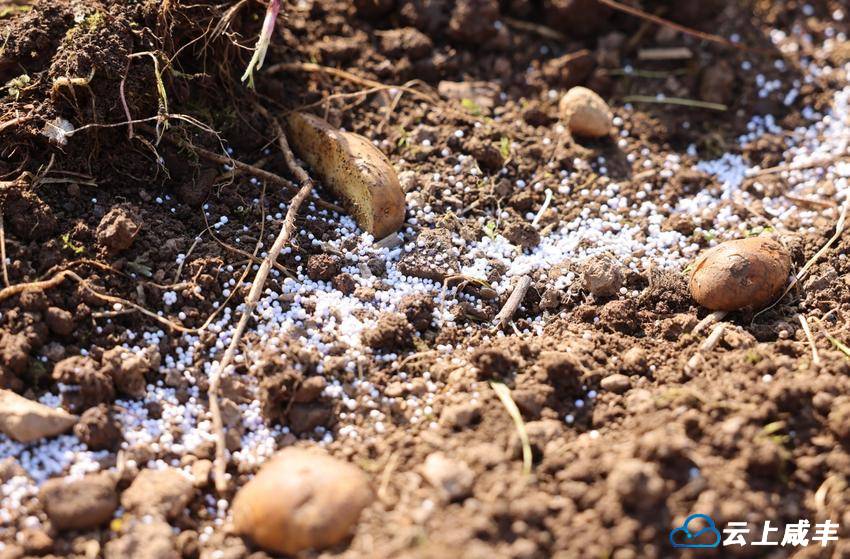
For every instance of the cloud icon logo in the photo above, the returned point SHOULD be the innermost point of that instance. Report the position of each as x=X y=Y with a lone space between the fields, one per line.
x=708 y=536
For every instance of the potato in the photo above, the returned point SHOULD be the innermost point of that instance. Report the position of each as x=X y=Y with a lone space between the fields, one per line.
x=353 y=169
x=743 y=273
x=585 y=113
x=301 y=500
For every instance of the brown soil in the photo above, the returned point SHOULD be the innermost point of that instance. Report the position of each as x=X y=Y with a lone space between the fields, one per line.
x=664 y=437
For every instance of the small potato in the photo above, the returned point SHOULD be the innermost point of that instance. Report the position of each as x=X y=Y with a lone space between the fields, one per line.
x=743 y=273
x=585 y=113
x=301 y=500
x=353 y=169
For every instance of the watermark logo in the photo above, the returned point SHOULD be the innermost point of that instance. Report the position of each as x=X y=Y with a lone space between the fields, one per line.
x=697 y=531
x=700 y=531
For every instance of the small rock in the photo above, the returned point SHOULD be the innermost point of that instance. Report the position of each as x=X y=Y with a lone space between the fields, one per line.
x=59 y=321
x=118 y=228
x=616 y=383
x=201 y=470
x=634 y=360
x=26 y=420
x=158 y=492
x=585 y=113
x=602 y=275
x=127 y=370
x=301 y=500
x=97 y=429
x=453 y=478
x=79 y=504
x=550 y=300
x=151 y=539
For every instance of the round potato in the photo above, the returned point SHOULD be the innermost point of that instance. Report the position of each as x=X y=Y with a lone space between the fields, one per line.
x=353 y=169
x=585 y=113
x=743 y=273
x=301 y=500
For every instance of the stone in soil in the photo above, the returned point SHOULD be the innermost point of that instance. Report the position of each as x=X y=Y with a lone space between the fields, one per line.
x=452 y=478
x=79 y=504
x=616 y=383
x=163 y=493
x=27 y=421
x=301 y=500
x=585 y=113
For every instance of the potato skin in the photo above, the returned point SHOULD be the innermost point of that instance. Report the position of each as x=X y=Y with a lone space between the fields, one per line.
x=299 y=500
x=739 y=274
x=353 y=169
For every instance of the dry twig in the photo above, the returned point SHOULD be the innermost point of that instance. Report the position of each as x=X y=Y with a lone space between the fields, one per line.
x=286 y=233
x=513 y=302
x=808 y=331
x=678 y=27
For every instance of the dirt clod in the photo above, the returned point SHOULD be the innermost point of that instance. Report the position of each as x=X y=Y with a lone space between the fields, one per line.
x=79 y=504
x=59 y=321
x=602 y=276
x=392 y=331
x=493 y=362
x=322 y=267
x=162 y=493
x=118 y=228
x=97 y=429
x=522 y=234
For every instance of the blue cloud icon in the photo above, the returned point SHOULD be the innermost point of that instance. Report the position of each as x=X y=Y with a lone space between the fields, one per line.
x=708 y=536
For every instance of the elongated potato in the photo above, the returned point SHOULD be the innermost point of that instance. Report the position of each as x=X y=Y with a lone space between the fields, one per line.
x=353 y=169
